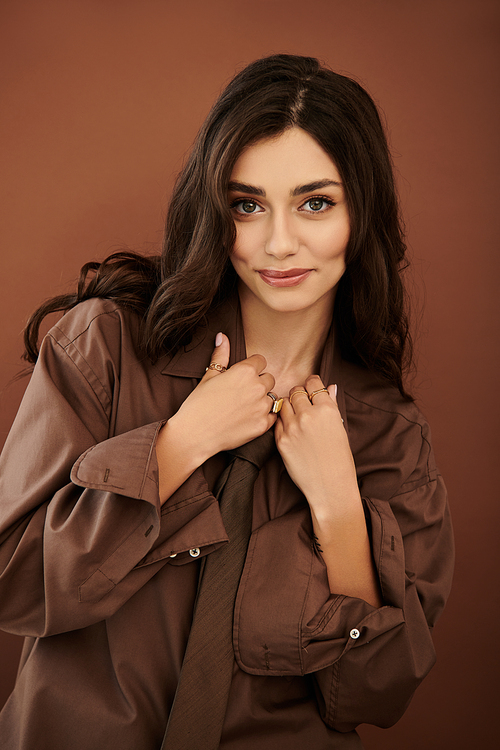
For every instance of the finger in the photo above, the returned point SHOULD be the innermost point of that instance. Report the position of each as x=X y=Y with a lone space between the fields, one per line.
x=220 y=355
x=268 y=380
x=298 y=397
x=316 y=390
x=285 y=413
x=258 y=361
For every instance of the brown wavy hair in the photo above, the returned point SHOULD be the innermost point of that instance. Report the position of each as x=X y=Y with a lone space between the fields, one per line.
x=174 y=292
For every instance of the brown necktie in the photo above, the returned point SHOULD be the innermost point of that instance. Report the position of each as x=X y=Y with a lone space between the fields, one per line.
x=199 y=707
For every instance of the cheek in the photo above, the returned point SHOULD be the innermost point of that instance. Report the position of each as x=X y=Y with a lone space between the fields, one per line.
x=330 y=246
x=244 y=245
x=239 y=259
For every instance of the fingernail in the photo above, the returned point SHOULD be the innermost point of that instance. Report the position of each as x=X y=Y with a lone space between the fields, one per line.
x=218 y=339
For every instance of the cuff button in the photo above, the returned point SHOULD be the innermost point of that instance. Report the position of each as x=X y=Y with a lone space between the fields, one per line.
x=194 y=552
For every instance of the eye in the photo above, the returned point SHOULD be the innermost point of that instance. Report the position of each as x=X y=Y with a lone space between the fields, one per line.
x=318 y=205
x=245 y=206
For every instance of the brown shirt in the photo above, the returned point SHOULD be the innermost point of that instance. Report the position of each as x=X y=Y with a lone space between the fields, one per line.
x=102 y=580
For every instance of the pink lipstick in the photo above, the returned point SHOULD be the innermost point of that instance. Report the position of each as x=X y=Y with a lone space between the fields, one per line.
x=289 y=277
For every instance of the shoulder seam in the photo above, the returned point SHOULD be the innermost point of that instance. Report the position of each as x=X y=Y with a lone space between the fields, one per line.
x=379 y=408
x=98 y=315
x=407 y=419
x=64 y=349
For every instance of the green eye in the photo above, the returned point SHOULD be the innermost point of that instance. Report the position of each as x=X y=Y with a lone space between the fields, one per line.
x=316 y=204
x=248 y=206
x=245 y=206
x=320 y=204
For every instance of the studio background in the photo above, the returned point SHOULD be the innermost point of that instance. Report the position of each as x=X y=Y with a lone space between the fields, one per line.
x=101 y=102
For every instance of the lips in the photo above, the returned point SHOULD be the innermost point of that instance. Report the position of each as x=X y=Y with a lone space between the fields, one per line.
x=270 y=272
x=288 y=277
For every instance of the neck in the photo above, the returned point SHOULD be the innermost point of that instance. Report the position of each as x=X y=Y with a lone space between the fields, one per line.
x=291 y=342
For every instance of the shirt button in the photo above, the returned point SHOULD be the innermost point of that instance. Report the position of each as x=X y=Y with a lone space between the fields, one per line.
x=194 y=552
x=174 y=554
x=354 y=633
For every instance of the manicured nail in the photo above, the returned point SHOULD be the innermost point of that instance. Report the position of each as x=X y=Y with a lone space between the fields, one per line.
x=218 y=339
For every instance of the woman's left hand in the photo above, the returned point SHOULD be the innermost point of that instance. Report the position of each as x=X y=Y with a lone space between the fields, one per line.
x=314 y=447
x=313 y=444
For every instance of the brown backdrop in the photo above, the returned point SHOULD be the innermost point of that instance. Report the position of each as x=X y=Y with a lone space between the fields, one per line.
x=102 y=99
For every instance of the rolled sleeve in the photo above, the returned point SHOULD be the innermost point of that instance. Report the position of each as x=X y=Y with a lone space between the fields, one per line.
x=296 y=629
x=367 y=662
x=125 y=464
x=82 y=528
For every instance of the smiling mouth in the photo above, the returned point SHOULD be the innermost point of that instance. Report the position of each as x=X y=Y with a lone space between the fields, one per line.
x=289 y=277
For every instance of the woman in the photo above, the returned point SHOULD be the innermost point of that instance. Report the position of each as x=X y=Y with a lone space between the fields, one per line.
x=278 y=287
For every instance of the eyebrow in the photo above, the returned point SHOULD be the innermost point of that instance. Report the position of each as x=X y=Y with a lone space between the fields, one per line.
x=311 y=186
x=242 y=187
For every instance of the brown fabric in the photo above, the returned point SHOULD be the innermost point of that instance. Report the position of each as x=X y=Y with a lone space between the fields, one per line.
x=197 y=716
x=87 y=570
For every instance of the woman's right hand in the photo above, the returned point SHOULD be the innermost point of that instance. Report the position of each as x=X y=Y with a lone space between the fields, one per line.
x=225 y=410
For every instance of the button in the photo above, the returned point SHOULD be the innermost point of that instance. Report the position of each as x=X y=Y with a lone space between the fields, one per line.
x=354 y=633
x=173 y=555
x=194 y=552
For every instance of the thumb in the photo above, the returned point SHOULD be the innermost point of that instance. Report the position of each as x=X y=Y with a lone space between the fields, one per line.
x=220 y=354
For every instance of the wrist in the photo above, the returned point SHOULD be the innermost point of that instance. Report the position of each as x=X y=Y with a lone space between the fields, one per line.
x=328 y=509
x=183 y=443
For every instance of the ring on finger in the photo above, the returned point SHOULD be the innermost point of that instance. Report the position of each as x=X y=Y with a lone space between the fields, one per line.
x=215 y=366
x=277 y=403
x=315 y=393
x=295 y=393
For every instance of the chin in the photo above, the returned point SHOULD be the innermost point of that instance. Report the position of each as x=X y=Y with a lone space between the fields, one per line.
x=295 y=302
x=288 y=306
x=287 y=300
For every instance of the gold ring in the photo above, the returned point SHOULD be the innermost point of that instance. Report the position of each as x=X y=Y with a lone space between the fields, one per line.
x=315 y=393
x=216 y=366
x=277 y=403
x=295 y=393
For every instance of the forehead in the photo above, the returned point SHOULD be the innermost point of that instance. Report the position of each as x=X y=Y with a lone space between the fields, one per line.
x=294 y=157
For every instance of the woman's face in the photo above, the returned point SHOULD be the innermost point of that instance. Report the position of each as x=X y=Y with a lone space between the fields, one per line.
x=292 y=223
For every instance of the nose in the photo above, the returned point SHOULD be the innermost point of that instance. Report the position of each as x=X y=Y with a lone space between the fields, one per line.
x=281 y=240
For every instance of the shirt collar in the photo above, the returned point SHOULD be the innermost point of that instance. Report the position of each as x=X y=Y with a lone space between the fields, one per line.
x=191 y=360
x=330 y=369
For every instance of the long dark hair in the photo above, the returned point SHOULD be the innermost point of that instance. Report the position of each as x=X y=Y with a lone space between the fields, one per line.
x=174 y=292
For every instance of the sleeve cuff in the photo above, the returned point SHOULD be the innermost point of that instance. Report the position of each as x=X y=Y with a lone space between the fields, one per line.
x=187 y=526
x=301 y=628
x=125 y=464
